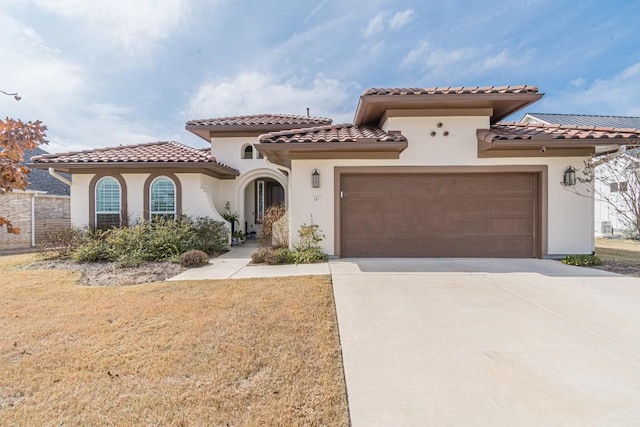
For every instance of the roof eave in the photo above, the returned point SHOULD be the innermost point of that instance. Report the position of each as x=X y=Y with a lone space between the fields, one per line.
x=545 y=146
x=371 y=108
x=283 y=153
x=216 y=169
x=207 y=132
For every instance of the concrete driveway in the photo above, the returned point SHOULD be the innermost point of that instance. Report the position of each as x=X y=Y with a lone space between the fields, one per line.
x=487 y=342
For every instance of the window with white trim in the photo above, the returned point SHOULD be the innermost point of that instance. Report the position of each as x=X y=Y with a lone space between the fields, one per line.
x=162 y=193
x=108 y=203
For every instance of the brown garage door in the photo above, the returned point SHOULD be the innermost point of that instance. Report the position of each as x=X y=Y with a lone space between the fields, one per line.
x=439 y=215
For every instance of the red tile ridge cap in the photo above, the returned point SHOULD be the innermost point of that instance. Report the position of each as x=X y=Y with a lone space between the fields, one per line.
x=446 y=90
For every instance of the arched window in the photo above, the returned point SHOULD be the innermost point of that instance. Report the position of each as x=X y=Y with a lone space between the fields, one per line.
x=162 y=195
x=247 y=153
x=107 y=208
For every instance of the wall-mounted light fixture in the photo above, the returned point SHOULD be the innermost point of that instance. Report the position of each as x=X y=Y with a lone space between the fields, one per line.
x=315 y=179
x=569 y=178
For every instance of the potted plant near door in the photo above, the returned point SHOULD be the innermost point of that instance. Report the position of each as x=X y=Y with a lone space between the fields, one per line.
x=232 y=217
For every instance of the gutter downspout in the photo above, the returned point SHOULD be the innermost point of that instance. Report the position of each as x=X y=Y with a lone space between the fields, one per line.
x=290 y=222
x=59 y=177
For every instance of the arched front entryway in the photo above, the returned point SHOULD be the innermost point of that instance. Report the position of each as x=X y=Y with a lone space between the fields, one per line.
x=255 y=191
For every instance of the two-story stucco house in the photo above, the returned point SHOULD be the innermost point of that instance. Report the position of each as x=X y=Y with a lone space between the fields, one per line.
x=420 y=172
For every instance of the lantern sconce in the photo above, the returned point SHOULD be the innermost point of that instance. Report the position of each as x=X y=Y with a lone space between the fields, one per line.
x=315 y=179
x=569 y=178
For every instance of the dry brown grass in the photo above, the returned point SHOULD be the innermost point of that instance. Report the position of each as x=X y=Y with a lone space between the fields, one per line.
x=619 y=256
x=235 y=352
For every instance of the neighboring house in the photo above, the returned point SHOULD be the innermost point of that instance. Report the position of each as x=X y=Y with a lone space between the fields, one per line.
x=611 y=207
x=44 y=205
x=420 y=172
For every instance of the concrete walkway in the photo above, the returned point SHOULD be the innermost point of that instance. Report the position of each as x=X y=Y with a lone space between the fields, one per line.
x=487 y=343
x=235 y=265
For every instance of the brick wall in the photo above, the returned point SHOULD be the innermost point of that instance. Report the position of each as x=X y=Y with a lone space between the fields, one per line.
x=17 y=207
x=50 y=212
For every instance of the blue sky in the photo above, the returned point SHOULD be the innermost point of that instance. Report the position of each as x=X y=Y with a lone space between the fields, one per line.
x=110 y=72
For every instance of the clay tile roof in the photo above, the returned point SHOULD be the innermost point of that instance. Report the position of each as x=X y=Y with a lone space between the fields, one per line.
x=261 y=120
x=451 y=90
x=152 y=152
x=333 y=133
x=532 y=131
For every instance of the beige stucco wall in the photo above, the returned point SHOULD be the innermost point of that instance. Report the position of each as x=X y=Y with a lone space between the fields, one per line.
x=198 y=194
x=80 y=199
x=239 y=192
x=570 y=216
x=229 y=151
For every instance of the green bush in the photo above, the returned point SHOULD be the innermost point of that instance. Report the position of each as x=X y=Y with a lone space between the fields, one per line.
x=307 y=249
x=194 y=258
x=92 y=250
x=582 y=260
x=279 y=256
x=157 y=240
x=209 y=236
x=309 y=256
x=273 y=256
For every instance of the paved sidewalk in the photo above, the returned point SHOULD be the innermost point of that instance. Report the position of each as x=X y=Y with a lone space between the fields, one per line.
x=235 y=265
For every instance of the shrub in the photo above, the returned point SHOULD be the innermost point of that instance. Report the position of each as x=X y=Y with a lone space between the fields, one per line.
x=582 y=260
x=272 y=256
x=307 y=249
x=279 y=256
x=63 y=241
x=258 y=256
x=209 y=236
x=271 y=215
x=193 y=258
x=92 y=250
x=309 y=256
x=157 y=240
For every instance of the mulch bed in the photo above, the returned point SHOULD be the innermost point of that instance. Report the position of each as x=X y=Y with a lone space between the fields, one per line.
x=109 y=274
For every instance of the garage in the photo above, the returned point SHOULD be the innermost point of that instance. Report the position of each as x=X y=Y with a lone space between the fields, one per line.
x=480 y=214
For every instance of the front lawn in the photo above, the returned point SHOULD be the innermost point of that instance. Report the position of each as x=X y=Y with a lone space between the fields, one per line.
x=619 y=256
x=229 y=352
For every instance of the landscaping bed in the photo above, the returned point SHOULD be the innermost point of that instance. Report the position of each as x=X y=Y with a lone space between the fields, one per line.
x=110 y=273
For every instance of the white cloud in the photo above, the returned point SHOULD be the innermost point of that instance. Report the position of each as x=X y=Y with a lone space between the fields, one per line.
x=58 y=93
x=379 y=23
x=578 y=82
x=375 y=26
x=617 y=95
x=257 y=93
x=128 y=26
x=400 y=19
x=458 y=63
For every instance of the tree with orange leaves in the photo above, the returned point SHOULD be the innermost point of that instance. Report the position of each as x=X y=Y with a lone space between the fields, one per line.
x=16 y=136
